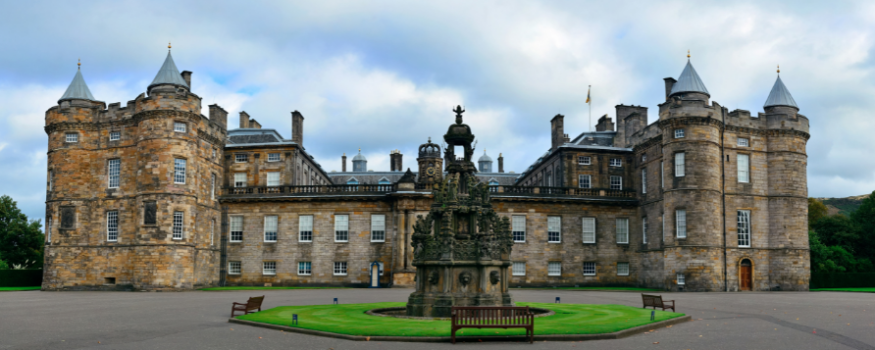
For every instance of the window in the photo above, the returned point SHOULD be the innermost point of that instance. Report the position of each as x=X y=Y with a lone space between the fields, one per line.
x=340 y=268
x=663 y=227
x=305 y=268
x=643 y=180
x=113 y=168
x=678 y=133
x=236 y=229
x=177 y=224
x=519 y=228
x=234 y=267
x=585 y=181
x=341 y=228
x=213 y=186
x=588 y=230
x=644 y=230
x=518 y=268
x=212 y=231
x=681 y=223
x=743 y=168
x=616 y=182
x=384 y=181
x=554 y=268
x=273 y=178
x=49 y=230
x=589 y=268
x=622 y=269
x=744 y=228
x=643 y=158
x=273 y=157
x=622 y=231
x=583 y=160
x=679 y=166
x=270 y=228
x=269 y=268
x=661 y=175
x=742 y=142
x=239 y=179
x=72 y=137
x=241 y=158
x=115 y=135
x=305 y=228
x=51 y=180
x=112 y=226
x=493 y=182
x=179 y=171
x=554 y=229
x=352 y=182
x=214 y=153
x=378 y=228
x=616 y=162
x=178 y=126
x=681 y=279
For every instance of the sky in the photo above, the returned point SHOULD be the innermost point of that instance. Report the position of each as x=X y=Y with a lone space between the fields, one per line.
x=384 y=75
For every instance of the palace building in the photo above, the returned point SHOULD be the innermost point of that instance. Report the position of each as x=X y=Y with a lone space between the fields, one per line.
x=156 y=196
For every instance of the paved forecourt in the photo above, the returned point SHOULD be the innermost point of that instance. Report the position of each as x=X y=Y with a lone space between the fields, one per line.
x=199 y=320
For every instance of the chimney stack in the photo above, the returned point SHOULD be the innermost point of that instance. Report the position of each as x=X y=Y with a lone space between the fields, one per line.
x=500 y=163
x=604 y=124
x=557 y=131
x=186 y=75
x=298 y=130
x=244 y=120
x=395 y=163
x=253 y=124
x=219 y=116
x=669 y=83
x=343 y=168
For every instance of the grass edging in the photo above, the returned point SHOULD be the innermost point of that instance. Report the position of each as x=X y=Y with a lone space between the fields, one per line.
x=18 y=289
x=560 y=337
x=233 y=288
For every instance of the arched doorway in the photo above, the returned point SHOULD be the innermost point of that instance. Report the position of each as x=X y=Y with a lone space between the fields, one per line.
x=746 y=275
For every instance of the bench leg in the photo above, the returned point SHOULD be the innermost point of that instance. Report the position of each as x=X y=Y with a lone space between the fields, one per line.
x=453 y=336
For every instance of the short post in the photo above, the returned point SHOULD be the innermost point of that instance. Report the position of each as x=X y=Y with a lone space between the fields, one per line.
x=335 y=300
x=652 y=315
x=557 y=300
x=295 y=319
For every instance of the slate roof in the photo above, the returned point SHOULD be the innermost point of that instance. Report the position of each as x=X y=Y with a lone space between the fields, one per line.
x=689 y=81
x=780 y=96
x=485 y=158
x=77 y=90
x=595 y=138
x=252 y=136
x=168 y=74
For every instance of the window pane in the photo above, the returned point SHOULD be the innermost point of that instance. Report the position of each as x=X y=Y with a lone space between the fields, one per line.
x=643 y=180
x=623 y=269
x=273 y=157
x=681 y=223
x=234 y=267
x=179 y=171
x=679 y=166
x=115 y=136
x=177 y=224
x=554 y=229
x=341 y=228
x=554 y=268
x=304 y=268
x=588 y=230
x=112 y=226
x=681 y=279
x=744 y=228
x=340 y=268
x=270 y=228
x=305 y=228
x=239 y=179
x=519 y=268
x=179 y=127
x=269 y=268
x=241 y=157
x=585 y=181
x=236 y=229
x=378 y=228
x=273 y=178
x=72 y=137
x=589 y=269
x=616 y=182
x=623 y=231
x=644 y=230
x=743 y=168
x=678 y=133
x=519 y=228
x=742 y=142
x=114 y=167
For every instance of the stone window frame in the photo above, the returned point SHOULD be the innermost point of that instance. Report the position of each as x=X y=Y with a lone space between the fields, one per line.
x=178 y=217
x=743 y=142
x=341 y=268
x=177 y=173
x=61 y=211
x=590 y=268
x=583 y=227
x=619 y=182
x=305 y=268
x=514 y=232
x=48 y=230
x=231 y=219
x=71 y=137
x=621 y=226
x=112 y=226
x=514 y=271
x=621 y=268
x=113 y=174
x=552 y=267
x=680 y=164
x=341 y=233
x=744 y=219
x=213 y=178
x=268 y=268
x=584 y=160
x=305 y=230
x=278 y=176
x=273 y=157
x=275 y=233
x=556 y=230
x=115 y=135
x=235 y=271
x=616 y=162
x=738 y=167
x=679 y=133
x=681 y=279
x=180 y=126
x=588 y=182
x=241 y=184
x=374 y=229
x=680 y=216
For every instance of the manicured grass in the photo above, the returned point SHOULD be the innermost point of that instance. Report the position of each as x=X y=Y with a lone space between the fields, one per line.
x=351 y=319
x=633 y=289
x=8 y=289
x=865 y=290
x=263 y=288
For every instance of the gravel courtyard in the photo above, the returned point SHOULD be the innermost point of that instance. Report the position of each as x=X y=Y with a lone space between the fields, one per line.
x=198 y=320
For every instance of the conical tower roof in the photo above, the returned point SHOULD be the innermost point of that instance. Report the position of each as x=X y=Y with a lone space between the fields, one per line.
x=77 y=90
x=780 y=96
x=168 y=74
x=484 y=157
x=689 y=81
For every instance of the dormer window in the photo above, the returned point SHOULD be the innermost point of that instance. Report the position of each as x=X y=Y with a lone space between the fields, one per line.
x=72 y=137
x=384 y=181
x=678 y=133
x=179 y=127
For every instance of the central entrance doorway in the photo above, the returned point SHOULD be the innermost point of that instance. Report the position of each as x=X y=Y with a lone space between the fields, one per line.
x=746 y=275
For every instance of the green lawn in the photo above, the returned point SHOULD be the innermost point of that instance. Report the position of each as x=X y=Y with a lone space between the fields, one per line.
x=351 y=319
x=867 y=290
x=633 y=289
x=263 y=288
x=7 y=289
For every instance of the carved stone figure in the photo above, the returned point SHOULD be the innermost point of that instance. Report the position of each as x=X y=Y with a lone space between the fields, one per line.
x=465 y=278
x=494 y=278
x=434 y=278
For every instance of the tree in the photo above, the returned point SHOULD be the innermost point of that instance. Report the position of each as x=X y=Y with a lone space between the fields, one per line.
x=864 y=218
x=816 y=211
x=3 y=264
x=21 y=241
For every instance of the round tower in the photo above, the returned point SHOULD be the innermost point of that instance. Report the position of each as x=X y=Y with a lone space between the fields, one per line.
x=692 y=198
x=430 y=163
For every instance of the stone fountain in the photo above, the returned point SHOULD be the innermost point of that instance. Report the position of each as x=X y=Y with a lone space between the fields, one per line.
x=461 y=249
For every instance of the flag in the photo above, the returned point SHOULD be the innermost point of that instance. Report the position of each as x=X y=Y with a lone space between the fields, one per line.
x=587 y=93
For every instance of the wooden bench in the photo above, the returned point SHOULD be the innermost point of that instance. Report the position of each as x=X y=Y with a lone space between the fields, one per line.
x=493 y=317
x=656 y=301
x=254 y=303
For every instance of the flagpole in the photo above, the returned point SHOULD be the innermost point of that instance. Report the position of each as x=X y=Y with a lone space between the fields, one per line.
x=589 y=102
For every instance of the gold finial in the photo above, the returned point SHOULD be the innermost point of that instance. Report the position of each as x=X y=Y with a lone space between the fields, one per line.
x=79 y=63
x=688 y=53
x=779 y=69
x=344 y=154
x=360 y=150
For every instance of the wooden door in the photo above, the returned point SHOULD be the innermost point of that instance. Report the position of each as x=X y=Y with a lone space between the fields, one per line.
x=745 y=276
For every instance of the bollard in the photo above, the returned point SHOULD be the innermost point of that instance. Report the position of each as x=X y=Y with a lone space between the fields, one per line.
x=295 y=319
x=652 y=315
x=335 y=300
x=557 y=300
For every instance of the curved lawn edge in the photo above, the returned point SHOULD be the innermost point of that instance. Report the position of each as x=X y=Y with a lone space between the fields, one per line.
x=219 y=289
x=596 y=289
x=855 y=290
x=15 y=289
x=352 y=320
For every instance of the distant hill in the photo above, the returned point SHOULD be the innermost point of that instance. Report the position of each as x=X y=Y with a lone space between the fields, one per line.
x=844 y=206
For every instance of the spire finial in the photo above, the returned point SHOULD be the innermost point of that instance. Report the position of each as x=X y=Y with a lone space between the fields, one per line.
x=429 y=139
x=360 y=150
x=688 y=54
x=779 y=69
x=79 y=63
x=168 y=46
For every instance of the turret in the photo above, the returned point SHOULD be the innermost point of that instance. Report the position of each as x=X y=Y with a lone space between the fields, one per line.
x=359 y=162
x=485 y=163
x=430 y=163
x=168 y=77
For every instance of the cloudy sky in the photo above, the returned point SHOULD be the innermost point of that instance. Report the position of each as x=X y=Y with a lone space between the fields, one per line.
x=384 y=75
